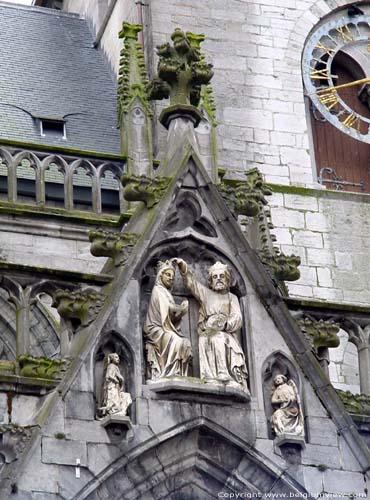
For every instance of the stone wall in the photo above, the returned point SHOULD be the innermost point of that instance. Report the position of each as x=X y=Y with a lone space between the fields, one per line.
x=95 y=11
x=72 y=432
x=330 y=232
x=256 y=51
x=47 y=243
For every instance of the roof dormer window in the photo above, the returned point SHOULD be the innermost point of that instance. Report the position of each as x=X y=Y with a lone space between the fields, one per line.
x=53 y=128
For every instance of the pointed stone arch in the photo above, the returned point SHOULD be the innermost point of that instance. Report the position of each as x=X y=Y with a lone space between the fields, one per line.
x=197 y=458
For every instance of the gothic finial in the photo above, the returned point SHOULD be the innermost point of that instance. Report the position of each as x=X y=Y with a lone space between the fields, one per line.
x=182 y=71
x=132 y=79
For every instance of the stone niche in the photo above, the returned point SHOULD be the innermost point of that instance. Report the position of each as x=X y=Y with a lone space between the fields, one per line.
x=279 y=364
x=112 y=342
x=199 y=256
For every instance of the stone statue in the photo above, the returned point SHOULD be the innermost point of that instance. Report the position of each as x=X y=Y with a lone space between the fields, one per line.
x=114 y=399
x=287 y=417
x=168 y=352
x=221 y=358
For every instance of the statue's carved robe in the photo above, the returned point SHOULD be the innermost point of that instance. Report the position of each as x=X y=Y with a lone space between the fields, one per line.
x=168 y=351
x=220 y=355
x=288 y=418
x=114 y=400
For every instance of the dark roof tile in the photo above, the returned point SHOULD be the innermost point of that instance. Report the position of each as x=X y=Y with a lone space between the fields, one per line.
x=49 y=68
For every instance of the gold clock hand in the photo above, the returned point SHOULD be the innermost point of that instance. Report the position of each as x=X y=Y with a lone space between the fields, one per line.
x=342 y=86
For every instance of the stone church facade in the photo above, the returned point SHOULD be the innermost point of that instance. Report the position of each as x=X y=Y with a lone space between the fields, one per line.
x=185 y=303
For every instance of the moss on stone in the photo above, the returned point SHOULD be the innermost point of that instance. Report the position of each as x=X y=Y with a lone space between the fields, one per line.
x=70 y=215
x=319 y=304
x=61 y=149
x=62 y=274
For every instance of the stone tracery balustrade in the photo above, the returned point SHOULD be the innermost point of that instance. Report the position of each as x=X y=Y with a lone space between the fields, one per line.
x=68 y=166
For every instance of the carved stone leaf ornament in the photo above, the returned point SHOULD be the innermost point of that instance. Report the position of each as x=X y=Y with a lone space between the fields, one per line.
x=143 y=188
x=181 y=70
x=80 y=307
x=282 y=267
x=355 y=403
x=245 y=197
x=320 y=333
x=41 y=367
x=117 y=246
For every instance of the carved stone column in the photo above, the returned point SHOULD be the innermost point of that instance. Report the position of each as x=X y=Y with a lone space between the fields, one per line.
x=23 y=302
x=359 y=335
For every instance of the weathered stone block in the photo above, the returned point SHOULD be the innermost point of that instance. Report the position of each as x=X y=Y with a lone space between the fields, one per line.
x=324 y=277
x=313 y=480
x=166 y=414
x=72 y=485
x=4 y=416
x=40 y=477
x=91 y=431
x=63 y=451
x=308 y=239
x=317 y=222
x=284 y=217
x=319 y=257
x=328 y=456
x=344 y=483
x=237 y=420
x=80 y=405
x=24 y=409
x=322 y=431
x=101 y=455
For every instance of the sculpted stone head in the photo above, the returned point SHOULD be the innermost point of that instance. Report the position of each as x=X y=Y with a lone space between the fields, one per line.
x=280 y=379
x=165 y=274
x=113 y=358
x=219 y=277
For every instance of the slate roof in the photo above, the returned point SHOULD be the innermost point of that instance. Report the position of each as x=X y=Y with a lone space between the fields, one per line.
x=49 y=68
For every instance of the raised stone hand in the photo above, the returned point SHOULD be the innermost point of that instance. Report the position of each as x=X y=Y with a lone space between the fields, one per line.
x=182 y=265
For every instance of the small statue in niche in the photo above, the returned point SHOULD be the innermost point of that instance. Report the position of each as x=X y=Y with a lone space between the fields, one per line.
x=287 y=417
x=221 y=358
x=168 y=351
x=114 y=398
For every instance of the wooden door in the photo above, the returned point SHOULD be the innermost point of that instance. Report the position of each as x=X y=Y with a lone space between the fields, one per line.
x=347 y=158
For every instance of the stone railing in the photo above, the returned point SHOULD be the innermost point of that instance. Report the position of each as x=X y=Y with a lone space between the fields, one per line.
x=39 y=176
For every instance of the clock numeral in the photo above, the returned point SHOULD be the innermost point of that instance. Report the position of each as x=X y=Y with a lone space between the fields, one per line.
x=345 y=33
x=329 y=51
x=328 y=97
x=351 y=120
x=319 y=74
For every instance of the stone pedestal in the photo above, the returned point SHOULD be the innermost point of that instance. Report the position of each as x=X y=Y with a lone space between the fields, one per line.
x=117 y=426
x=178 y=386
x=286 y=440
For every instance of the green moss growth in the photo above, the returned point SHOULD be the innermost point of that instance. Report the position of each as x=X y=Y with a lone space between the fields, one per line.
x=61 y=213
x=59 y=435
x=61 y=149
x=74 y=276
x=320 y=304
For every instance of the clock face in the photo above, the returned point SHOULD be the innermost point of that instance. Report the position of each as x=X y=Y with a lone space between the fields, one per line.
x=341 y=35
